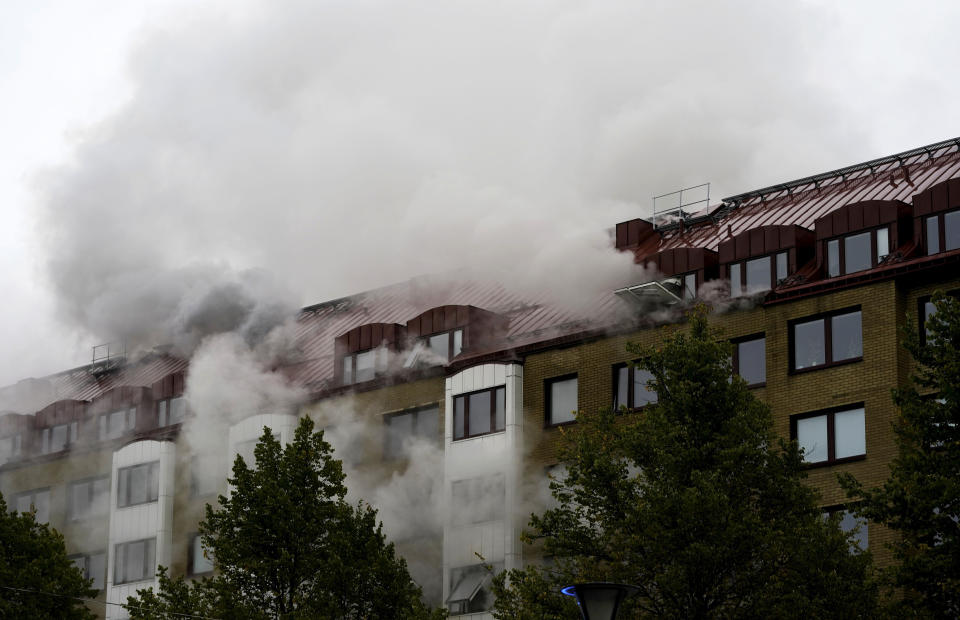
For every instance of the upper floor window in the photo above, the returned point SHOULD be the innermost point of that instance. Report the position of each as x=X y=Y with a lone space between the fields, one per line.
x=850 y=524
x=403 y=427
x=942 y=232
x=117 y=423
x=139 y=484
x=830 y=437
x=446 y=345
x=57 y=438
x=857 y=252
x=88 y=498
x=826 y=340
x=37 y=499
x=927 y=310
x=135 y=561
x=11 y=447
x=476 y=500
x=757 y=274
x=688 y=289
x=631 y=387
x=93 y=566
x=171 y=411
x=247 y=449
x=200 y=560
x=750 y=359
x=364 y=365
x=561 y=396
x=479 y=413
x=470 y=588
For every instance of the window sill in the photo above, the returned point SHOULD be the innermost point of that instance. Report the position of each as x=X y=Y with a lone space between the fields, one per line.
x=848 y=459
x=559 y=424
x=800 y=371
x=754 y=386
x=456 y=439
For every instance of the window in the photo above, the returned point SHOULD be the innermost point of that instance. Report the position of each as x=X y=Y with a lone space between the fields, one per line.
x=364 y=366
x=37 y=499
x=447 y=345
x=827 y=340
x=479 y=413
x=750 y=359
x=402 y=428
x=117 y=423
x=10 y=448
x=630 y=387
x=470 y=588
x=689 y=290
x=58 y=438
x=93 y=566
x=757 y=274
x=561 y=399
x=88 y=498
x=246 y=449
x=942 y=232
x=199 y=559
x=206 y=473
x=927 y=310
x=139 y=484
x=171 y=411
x=135 y=561
x=851 y=524
x=477 y=500
x=857 y=252
x=830 y=437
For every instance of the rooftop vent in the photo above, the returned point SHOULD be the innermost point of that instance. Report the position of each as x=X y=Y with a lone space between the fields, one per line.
x=668 y=209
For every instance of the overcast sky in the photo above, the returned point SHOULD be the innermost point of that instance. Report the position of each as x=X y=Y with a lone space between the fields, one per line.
x=158 y=156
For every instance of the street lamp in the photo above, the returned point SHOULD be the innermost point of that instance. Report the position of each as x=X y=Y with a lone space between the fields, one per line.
x=599 y=600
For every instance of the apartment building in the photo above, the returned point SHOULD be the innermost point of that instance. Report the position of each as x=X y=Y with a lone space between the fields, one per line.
x=457 y=388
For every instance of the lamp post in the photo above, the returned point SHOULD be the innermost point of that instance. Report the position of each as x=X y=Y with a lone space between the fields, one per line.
x=599 y=600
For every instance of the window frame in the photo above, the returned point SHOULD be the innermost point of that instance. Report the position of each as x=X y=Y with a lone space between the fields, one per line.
x=195 y=539
x=548 y=400
x=830 y=414
x=16 y=448
x=741 y=267
x=86 y=567
x=164 y=409
x=466 y=413
x=379 y=365
x=855 y=547
x=153 y=472
x=735 y=360
x=46 y=437
x=32 y=493
x=631 y=404
x=940 y=219
x=117 y=564
x=129 y=423
x=828 y=361
x=922 y=312
x=842 y=250
x=72 y=515
x=451 y=341
x=417 y=412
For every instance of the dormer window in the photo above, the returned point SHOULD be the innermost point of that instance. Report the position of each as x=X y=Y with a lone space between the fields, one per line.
x=757 y=274
x=117 y=423
x=171 y=411
x=689 y=288
x=10 y=447
x=57 y=438
x=364 y=365
x=942 y=232
x=857 y=252
x=446 y=345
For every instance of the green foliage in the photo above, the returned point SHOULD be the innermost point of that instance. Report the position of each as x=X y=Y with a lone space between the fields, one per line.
x=36 y=578
x=921 y=498
x=286 y=545
x=694 y=500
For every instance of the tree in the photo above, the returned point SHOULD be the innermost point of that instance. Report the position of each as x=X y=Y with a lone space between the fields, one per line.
x=37 y=580
x=695 y=501
x=286 y=545
x=920 y=500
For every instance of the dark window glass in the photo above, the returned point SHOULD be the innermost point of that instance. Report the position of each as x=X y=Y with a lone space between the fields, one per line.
x=856 y=250
x=89 y=498
x=632 y=387
x=847 y=336
x=758 y=274
x=93 y=566
x=58 y=438
x=750 y=360
x=117 y=423
x=951 y=230
x=479 y=413
x=809 y=345
x=171 y=411
x=135 y=561
x=933 y=234
x=39 y=500
x=402 y=428
x=139 y=484
x=831 y=436
x=561 y=400
x=833 y=258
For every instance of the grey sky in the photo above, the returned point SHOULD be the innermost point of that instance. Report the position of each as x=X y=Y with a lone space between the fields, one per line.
x=156 y=152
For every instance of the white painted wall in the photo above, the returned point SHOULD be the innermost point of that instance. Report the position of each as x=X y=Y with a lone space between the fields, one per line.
x=487 y=455
x=151 y=520
x=252 y=428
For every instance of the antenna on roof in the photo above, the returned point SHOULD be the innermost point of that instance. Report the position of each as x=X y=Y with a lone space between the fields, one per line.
x=678 y=206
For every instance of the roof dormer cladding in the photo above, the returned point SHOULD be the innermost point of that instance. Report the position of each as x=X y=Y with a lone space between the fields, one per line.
x=61 y=412
x=124 y=397
x=170 y=386
x=764 y=240
x=13 y=423
x=366 y=337
x=632 y=233
x=676 y=261
x=865 y=215
x=480 y=326
x=943 y=196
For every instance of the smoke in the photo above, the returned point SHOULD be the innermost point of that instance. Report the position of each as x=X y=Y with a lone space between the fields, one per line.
x=343 y=146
